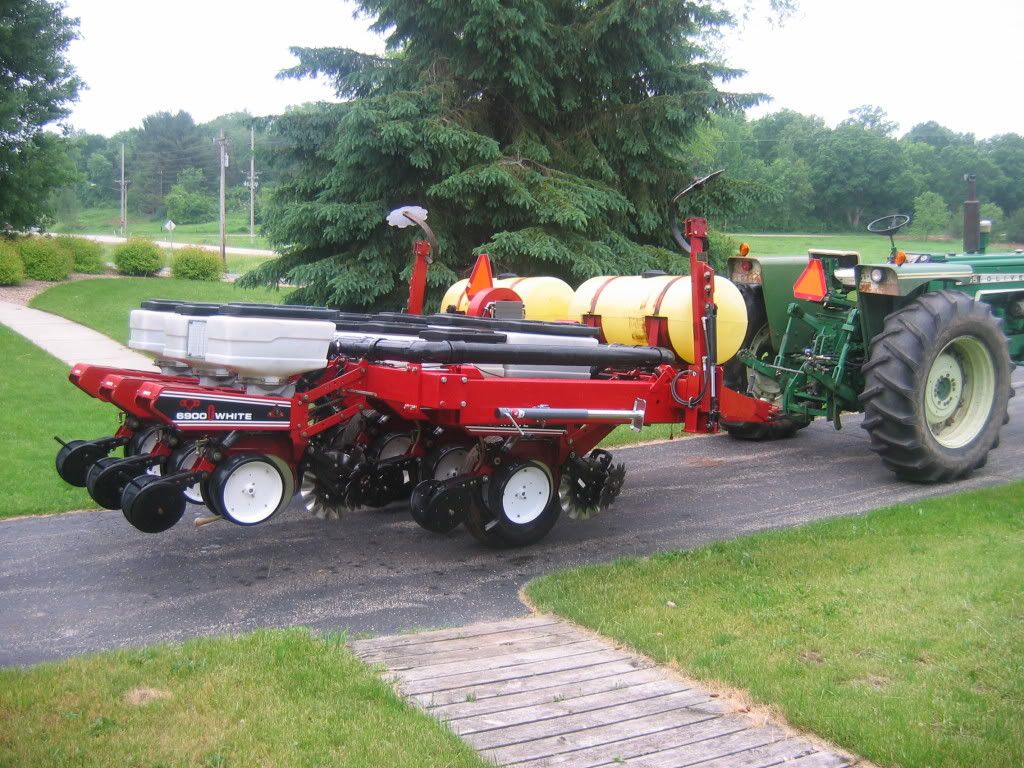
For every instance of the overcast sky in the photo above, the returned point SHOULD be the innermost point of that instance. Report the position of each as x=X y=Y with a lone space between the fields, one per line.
x=954 y=62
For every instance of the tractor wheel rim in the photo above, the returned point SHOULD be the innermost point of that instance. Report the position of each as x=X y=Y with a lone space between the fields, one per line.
x=526 y=495
x=959 y=392
x=450 y=464
x=253 y=492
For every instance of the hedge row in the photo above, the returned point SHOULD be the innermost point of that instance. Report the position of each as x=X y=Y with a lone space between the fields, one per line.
x=47 y=258
x=54 y=258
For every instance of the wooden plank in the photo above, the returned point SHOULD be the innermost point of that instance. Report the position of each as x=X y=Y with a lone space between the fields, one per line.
x=470 y=658
x=692 y=701
x=636 y=746
x=431 y=636
x=481 y=691
x=566 y=692
x=727 y=745
x=497 y=661
x=552 y=745
x=821 y=760
x=776 y=753
x=558 y=708
x=426 y=651
x=480 y=677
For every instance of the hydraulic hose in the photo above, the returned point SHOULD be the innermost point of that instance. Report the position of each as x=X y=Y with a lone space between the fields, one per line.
x=455 y=352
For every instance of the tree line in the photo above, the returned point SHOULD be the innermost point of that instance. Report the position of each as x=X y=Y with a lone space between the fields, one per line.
x=171 y=166
x=799 y=174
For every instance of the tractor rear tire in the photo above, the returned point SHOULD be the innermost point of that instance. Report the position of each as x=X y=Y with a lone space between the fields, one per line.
x=936 y=387
x=735 y=375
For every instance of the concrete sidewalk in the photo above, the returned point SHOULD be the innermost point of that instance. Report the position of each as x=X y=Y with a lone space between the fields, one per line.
x=67 y=341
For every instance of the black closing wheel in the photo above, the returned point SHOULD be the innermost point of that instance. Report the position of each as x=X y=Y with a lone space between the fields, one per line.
x=738 y=377
x=250 y=488
x=520 y=505
x=889 y=225
x=936 y=387
x=74 y=459
x=151 y=504
x=106 y=481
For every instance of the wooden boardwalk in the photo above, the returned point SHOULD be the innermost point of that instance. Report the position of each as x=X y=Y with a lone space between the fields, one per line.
x=538 y=692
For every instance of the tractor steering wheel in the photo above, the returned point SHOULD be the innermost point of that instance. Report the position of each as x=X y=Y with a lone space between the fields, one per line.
x=888 y=225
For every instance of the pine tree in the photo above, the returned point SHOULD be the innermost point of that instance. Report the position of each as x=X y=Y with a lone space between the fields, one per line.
x=548 y=133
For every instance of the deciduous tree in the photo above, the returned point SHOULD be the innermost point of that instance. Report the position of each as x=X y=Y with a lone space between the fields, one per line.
x=37 y=86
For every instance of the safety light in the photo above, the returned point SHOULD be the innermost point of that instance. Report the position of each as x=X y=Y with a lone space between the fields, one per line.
x=746 y=265
x=900 y=258
x=744 y=249
x=811 y=286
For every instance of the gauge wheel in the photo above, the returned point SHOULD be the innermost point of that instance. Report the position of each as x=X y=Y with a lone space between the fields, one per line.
x=183 y=459
x=391 y=445
x=936 y=387
x=250 y=488
x=445 y=462
x=143 y=443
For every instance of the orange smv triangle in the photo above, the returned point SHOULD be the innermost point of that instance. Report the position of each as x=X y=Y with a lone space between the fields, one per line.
x=481 y=277
x=811 y=283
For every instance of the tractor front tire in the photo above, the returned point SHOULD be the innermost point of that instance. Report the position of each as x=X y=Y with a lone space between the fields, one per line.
x=936 y=387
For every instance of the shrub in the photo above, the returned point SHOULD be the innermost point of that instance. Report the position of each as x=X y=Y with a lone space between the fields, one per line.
x=138 y=256
x=87 y=255
x=12 y=271
x=44 y=259
x=196 y=264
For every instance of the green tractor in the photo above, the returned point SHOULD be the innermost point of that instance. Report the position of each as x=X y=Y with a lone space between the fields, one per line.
x=923 y=344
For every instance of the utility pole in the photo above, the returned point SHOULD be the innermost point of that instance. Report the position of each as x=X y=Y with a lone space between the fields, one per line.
x=252 y=183
x=124 y=196
x=222 y=145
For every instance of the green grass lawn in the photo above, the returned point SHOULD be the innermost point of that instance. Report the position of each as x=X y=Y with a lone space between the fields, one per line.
x=271 y=698
x=872 y=248
x=104 y=304
x=38 y=403
x=104 y=221
x=898 y=635
x=623 y=435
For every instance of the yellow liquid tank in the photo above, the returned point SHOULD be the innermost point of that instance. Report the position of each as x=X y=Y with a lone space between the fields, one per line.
x=623 y=304
x=544 y=298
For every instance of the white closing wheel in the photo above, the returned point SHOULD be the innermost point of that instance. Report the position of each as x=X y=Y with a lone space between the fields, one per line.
x=521 y=505
x=250 y=488
x=526 y=494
